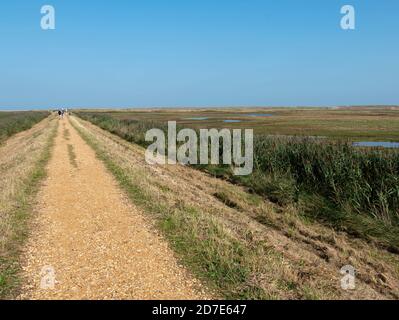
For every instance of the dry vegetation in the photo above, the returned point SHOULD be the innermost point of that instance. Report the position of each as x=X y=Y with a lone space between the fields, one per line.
x=13 y=122
x=22 y=160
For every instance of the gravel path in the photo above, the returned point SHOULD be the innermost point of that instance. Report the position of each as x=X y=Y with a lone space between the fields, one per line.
x=94 y=243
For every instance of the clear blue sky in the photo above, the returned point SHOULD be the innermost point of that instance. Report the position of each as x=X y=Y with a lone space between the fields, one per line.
x=198 y=53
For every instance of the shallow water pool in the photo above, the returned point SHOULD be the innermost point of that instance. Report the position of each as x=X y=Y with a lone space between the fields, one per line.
x=383 y=144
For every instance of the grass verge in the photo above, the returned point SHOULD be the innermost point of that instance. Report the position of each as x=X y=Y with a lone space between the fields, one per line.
x=9 y=261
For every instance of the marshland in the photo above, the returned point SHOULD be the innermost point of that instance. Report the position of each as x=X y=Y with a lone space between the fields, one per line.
x=306 y=157
x=315 y=202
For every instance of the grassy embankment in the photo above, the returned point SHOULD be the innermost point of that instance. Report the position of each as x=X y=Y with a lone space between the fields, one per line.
x=349 y=189
x=237 y=242
x=22 y=167
x=14 y=122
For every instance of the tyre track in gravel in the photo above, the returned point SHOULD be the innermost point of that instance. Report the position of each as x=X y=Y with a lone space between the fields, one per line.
x=99 y=245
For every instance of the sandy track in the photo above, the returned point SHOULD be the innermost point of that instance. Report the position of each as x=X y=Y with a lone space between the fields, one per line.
x=99 y=244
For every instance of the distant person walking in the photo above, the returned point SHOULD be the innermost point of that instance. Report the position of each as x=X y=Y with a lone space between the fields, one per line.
x=60 y=114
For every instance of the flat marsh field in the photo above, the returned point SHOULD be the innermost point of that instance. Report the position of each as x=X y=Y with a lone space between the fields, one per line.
x=354 y=123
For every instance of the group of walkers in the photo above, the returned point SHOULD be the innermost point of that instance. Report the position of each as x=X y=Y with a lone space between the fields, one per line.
x=61 y=113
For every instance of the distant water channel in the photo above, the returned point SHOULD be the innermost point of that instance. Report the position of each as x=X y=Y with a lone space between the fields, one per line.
x=259 y=115
x=197 y=118
x=232 y=121
x=371 y=144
